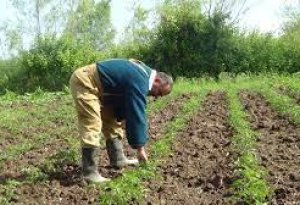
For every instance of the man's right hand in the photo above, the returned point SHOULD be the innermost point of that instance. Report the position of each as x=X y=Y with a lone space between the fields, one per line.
x=141 y=155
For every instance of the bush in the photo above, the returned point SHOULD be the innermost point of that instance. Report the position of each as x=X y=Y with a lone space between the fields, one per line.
x=188 y=43
x=10 y=71
x=49 y=64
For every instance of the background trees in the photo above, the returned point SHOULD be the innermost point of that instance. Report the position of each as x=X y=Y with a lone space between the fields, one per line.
x=189 y=38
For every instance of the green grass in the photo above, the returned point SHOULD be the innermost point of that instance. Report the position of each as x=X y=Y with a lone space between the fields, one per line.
x=251 y=186
x=7 y=191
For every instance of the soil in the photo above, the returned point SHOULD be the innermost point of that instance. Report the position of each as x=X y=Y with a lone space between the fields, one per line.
x=279 y=148
x=66 y=186
x=199 y=169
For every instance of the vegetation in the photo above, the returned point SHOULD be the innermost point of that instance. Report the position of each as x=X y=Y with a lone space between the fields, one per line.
x=203 y=49
x=251 y=187
x=204 y=43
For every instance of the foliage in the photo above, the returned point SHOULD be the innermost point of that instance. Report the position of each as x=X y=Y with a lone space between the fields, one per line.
x=250 y=185
x=8 y=70
x=28 y=23
x=50 y=63
x=137 y=31
x=187 y=43
x=90 y=23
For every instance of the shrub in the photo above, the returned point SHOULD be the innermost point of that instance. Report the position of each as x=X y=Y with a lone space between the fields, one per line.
x=50 y=62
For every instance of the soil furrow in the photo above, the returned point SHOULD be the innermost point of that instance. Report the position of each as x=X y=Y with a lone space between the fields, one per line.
x=200 y=168
x=66 y=187
x=279 y=148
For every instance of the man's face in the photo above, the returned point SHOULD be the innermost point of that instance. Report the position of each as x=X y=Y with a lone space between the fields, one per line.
x=158 y=89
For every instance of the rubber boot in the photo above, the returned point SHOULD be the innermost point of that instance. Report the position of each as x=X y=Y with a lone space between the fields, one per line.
x=116 y=155
x=90 y=160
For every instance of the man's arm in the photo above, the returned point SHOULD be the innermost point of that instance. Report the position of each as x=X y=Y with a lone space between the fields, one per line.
x=135 y=116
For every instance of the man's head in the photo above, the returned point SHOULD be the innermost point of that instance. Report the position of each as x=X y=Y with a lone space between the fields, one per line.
x=162 y=85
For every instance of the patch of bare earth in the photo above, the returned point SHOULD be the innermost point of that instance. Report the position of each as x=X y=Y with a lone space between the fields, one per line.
x=66 y=186
x=279 y=148
x=199 y=169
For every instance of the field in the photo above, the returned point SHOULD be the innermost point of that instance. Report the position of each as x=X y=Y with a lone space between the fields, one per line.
x=235 y=141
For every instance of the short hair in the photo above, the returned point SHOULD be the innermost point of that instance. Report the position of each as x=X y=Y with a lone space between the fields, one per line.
x=165 y=79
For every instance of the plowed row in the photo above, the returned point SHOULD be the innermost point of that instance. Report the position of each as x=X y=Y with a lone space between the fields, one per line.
x=200 y=168
x=279 y=148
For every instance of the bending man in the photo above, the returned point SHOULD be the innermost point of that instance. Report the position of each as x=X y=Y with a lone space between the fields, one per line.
x=107 y=93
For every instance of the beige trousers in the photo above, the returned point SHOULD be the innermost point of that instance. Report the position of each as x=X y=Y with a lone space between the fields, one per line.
x=93 y=118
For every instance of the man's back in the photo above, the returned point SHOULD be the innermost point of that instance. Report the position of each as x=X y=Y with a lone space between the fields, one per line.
x=119 y=74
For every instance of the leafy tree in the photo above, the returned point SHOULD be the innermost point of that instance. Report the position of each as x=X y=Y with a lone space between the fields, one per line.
x=188 y=42
x=137 y=30
x=291 y=38
x=28 y=23
x=51 y=61
x=89 y=21
x=85 y=20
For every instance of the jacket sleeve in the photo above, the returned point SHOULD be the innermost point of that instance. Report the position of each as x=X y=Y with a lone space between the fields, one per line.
x=135 y=114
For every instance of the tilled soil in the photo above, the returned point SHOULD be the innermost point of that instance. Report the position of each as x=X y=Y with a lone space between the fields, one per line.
x=67 y=187
x=279 y=148
x=23 y=126
x=200 y=168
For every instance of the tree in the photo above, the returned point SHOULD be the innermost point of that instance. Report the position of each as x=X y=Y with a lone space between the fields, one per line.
x=28 y=24
x=137 y=30
x=292 y=13
x=89 y=22
x=234 y=9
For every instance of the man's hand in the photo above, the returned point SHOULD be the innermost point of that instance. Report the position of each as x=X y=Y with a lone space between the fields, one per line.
x=141 y=155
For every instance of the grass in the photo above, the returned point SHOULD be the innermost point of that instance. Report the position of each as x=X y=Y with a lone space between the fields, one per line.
x=7 y=191
x=251 y=186
x=33 y=121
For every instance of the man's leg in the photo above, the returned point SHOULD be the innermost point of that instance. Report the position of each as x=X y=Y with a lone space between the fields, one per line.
x=86 y=98
x=113 y=132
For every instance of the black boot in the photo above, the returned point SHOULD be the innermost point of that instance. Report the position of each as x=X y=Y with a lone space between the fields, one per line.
x=116 y=155
x=90 y=160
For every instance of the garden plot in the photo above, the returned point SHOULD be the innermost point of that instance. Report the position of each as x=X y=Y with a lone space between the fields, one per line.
x=37 y=136
x=279 y=148
x=63 y=185
x=204 y=149
x=200 y=168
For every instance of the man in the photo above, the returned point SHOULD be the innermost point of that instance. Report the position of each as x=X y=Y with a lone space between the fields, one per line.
x=107 y=93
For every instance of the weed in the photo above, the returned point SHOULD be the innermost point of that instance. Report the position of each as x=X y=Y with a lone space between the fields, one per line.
x=7 y=191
